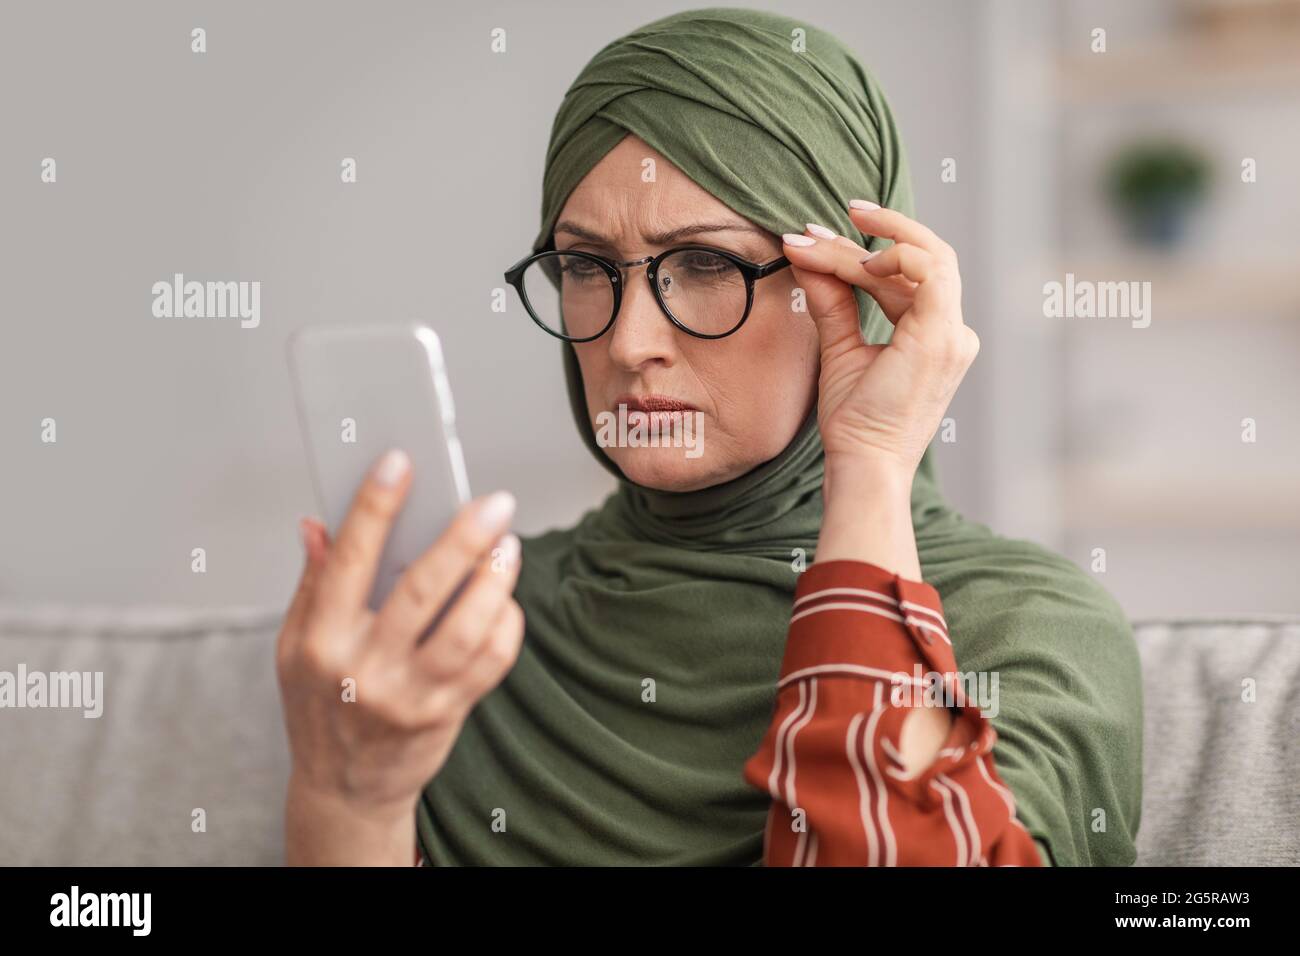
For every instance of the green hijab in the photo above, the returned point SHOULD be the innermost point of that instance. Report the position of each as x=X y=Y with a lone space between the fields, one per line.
x=656 y=625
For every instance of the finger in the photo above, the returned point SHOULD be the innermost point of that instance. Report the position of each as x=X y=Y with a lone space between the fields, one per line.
x=894 y=284
x=498 y=653
x=937 y=279
x=427 y=584
x=459 y=636
x=875 y=220
x=316 y=538
x=844 y=261
x=349 y=572
x=310 y=532
x=894 y=294
x=844 y=258
x=831 y=302
x=904 y=259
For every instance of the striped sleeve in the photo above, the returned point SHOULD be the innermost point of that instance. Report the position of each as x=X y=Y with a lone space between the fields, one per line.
x=865 y=647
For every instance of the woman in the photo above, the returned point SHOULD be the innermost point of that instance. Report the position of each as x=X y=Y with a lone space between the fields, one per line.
x=675 y=679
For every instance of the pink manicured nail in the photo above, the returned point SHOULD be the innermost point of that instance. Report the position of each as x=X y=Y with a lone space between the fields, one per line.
x=390 y=469
x=794 y=239
x=863 y=204
x=510 y=547
x=496 y=511
x=821 y=232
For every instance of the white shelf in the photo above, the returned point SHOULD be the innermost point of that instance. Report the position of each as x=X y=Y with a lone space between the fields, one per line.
x=1248 y=62
x=1190 y=498
x=1185 y=289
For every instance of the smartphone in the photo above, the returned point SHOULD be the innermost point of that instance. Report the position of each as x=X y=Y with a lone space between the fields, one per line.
x=361 y=391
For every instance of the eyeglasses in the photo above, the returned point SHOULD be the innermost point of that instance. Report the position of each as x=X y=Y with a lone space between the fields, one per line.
x=575 y=295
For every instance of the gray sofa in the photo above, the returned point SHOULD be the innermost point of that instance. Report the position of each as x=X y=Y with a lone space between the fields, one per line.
x=188 y=761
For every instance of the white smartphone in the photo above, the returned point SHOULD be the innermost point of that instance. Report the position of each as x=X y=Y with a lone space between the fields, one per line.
x=361 y=391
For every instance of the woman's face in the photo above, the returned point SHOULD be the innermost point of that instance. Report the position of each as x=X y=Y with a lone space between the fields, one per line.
x=751 y=389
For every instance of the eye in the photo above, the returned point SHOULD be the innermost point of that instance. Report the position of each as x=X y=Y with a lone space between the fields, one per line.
x=579 y=269
x=702 y=264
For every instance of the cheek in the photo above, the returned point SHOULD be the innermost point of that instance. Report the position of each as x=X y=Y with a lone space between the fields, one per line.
x=783 y=358
x=768 y=383
x=593 y=362
x=789 y=336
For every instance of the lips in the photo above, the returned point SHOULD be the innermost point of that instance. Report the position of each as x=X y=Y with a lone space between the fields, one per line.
x=653 y=403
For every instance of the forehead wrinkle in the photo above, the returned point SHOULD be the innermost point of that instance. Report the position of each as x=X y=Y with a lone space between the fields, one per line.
x=663 y=236
x=615 y=207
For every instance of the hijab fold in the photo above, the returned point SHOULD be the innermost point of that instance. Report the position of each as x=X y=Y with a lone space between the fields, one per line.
x=656 y=625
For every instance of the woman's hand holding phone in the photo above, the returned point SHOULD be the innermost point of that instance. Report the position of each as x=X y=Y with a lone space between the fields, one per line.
x=372 y=711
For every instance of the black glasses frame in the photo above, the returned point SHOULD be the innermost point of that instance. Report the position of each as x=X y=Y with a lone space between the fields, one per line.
x=752 y=272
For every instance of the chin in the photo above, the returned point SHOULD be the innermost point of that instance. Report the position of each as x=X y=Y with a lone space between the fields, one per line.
x=665 y=469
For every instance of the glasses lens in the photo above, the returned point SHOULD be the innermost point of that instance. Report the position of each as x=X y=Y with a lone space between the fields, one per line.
x=704 y=291
x=570 y=295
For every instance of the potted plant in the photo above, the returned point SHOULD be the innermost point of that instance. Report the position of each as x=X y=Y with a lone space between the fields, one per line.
x=1155 y=185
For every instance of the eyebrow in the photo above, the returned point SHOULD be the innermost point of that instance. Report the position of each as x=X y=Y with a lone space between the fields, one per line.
x=664 y=238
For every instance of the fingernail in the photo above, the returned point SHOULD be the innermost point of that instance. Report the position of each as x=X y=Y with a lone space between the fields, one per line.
x=304 y=533
x=496 y=510
x=390 y=469
x=821 y=232
x=870 y=255
x=510 y=548
x=863 y=204
x=794 y=239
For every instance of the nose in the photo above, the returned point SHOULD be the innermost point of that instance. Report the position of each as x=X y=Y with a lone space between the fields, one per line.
x=642 y=334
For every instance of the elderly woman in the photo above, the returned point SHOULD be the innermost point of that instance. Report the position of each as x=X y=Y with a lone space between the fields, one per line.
x=758 y=649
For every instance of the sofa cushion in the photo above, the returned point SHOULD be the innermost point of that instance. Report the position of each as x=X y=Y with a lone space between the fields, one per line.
x=191 y=720
x=1221 y=742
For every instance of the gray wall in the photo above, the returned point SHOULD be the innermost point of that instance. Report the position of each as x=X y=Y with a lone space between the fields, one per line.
x=175 y=434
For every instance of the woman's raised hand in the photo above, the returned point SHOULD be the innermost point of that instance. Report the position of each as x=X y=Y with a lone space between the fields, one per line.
x=372 y=711
x=881 y=404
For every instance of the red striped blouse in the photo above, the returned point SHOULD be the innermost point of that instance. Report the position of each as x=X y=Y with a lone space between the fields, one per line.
x=862 y=651
x=866 y=646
